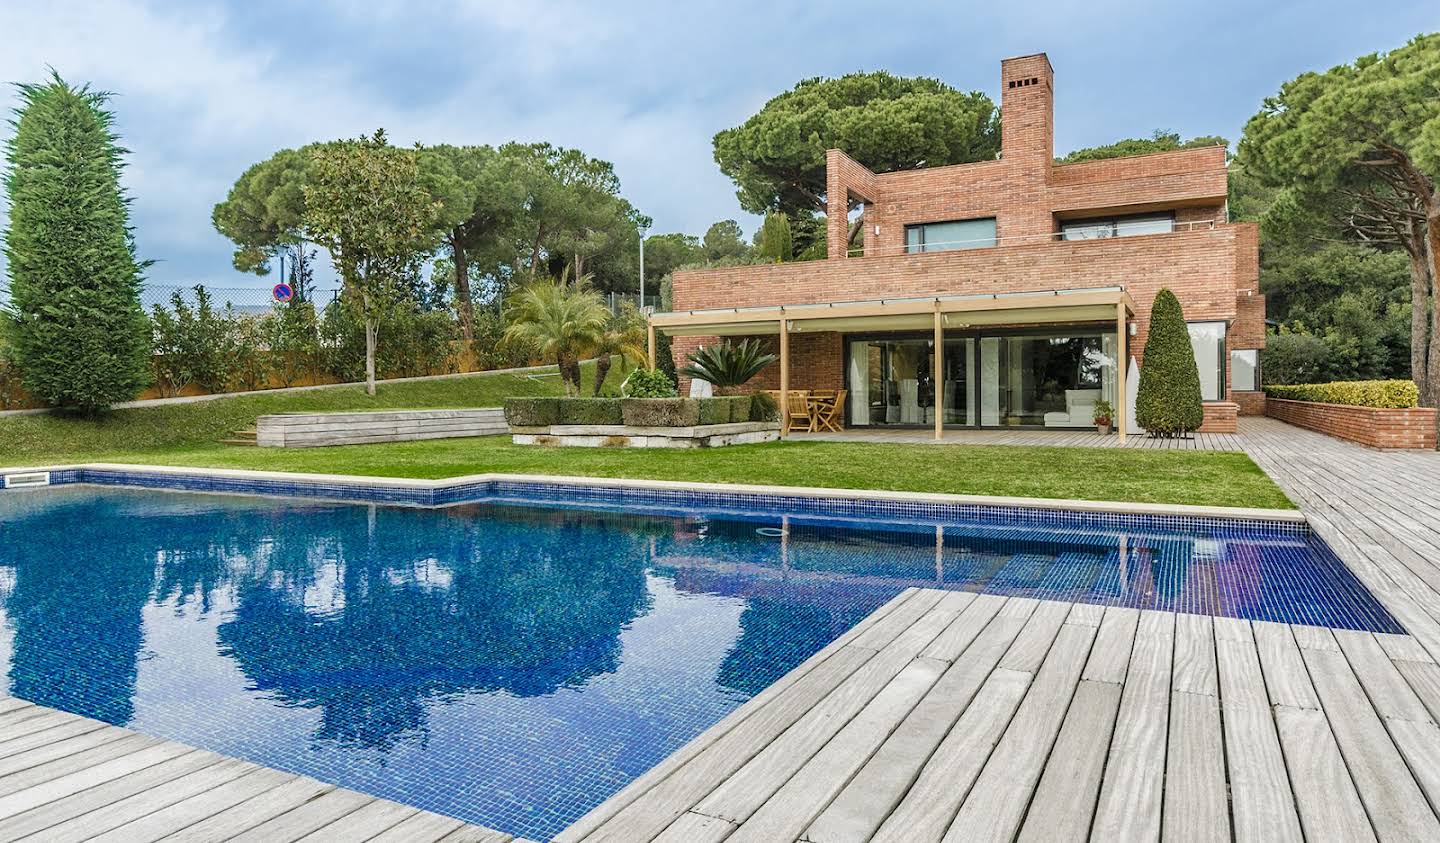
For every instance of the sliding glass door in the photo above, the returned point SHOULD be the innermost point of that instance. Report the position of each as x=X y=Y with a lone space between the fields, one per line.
x=892 y=382
x=1009 y=379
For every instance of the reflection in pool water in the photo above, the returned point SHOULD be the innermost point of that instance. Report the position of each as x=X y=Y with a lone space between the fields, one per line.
x=514 y=666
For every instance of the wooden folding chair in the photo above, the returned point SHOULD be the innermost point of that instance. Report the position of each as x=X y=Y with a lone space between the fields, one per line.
x=797 y=408
x=831 y=414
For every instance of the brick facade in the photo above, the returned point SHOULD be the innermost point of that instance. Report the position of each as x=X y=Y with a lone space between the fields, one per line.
x=1220 y=417
x=1211 y=265
x=1412 y=428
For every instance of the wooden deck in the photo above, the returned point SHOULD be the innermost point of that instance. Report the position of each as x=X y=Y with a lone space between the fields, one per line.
x=1086 y=438
x=950 y=716
x=69 y=778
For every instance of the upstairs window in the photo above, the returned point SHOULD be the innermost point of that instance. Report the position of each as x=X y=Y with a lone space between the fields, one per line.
x=1099 y=229
x=946 y=236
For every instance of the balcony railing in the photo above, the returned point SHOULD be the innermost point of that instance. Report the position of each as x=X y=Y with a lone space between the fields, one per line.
x=1120 y=229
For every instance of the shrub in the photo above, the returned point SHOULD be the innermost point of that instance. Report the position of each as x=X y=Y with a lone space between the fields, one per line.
x=739 y=407
x=77 y=332
x=532 y=412
x=291 y=332
x=713 y=410
x=1383 y=394
x=1169 y=397
x=1292 y=355
x=648 y=383
x=764 y=408
x=591 y=411
x=12 y=396
x=660 y=412
x=249 y=364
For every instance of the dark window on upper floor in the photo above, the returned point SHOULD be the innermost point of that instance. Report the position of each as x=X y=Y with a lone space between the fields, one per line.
x=1128 y=226
x=945 y=236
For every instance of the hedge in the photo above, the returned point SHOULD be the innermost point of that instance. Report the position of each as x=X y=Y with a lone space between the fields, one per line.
x=1382 y=394
x=532 y=412
x=660 y=412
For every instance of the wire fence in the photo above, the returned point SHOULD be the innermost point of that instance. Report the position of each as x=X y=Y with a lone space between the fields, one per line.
x=256 y=301
x=251 y=301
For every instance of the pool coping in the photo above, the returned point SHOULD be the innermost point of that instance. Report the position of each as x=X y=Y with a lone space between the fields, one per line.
x=357 y=481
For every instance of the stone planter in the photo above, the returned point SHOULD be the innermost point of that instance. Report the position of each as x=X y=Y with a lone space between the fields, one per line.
x=633 y=436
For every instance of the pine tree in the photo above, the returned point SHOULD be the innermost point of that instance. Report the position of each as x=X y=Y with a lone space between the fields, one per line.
x=1169 y=398
x=774 y=242
x=76 y=329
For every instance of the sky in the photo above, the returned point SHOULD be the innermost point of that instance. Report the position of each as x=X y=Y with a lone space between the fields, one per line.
x=203 y=89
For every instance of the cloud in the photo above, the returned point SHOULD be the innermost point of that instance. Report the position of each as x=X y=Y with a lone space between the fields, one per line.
x=204 y=89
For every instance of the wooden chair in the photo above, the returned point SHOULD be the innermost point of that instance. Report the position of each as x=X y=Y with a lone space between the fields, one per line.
x=831 y=412
x=797 y=408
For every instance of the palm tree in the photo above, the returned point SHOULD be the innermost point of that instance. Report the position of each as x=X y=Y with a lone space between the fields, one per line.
x=624 y=337
x=560 y=322
x=726 y=366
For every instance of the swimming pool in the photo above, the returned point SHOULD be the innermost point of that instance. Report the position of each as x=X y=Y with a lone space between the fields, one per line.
x=515 y=660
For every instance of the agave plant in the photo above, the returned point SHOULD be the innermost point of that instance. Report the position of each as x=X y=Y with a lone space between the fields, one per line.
x=561 y=322
x=728 y=367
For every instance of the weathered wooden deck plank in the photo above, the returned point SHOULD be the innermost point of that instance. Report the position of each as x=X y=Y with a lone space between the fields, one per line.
x=1064 y=803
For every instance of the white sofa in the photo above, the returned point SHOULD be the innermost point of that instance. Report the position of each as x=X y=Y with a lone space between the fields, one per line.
x=1079 y=409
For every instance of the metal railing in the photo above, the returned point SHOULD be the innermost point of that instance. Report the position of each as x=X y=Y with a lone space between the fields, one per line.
x=1120 y=229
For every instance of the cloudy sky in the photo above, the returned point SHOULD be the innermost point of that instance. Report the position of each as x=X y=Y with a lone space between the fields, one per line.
x=204 y=89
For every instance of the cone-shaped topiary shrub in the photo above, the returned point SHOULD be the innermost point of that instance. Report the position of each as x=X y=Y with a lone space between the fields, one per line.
x=1169 y=399
x=75 y=327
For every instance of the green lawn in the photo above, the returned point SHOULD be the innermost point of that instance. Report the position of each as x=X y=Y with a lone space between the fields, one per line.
x=188 y=434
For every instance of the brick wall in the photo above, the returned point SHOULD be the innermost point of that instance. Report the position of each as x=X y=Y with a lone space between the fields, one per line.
x=1251 y=403
x=1220 y=417
x=1412 y=428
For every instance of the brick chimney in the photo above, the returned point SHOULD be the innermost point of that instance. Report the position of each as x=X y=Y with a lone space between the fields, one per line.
x=1027 y=137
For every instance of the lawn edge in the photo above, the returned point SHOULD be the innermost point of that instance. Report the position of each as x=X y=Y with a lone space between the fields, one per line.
x=1293 y=516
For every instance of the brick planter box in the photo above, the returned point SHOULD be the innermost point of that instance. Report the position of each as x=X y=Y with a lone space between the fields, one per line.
x=1412 y=428
x=1220 y=417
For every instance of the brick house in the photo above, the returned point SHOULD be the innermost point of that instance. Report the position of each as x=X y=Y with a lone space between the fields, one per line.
x=1032 y=280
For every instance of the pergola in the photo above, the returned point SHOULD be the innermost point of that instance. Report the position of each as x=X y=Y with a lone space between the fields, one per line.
x=1091 y=304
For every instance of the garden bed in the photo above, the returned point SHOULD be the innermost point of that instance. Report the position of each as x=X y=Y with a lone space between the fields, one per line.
x=639 y=422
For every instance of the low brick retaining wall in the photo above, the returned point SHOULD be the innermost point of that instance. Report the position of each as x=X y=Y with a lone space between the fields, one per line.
x=1412 y=428
x=1251 y=403
x=313 y=430
x=1220 y=417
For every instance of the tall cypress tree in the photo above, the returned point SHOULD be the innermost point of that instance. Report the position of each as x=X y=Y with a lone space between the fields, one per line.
x=76 y=328
x=1168 y=401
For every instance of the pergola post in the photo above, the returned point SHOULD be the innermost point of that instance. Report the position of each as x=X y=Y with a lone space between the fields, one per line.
x=784 y=377
x=1122 y=363
x=650 y=343
x=938 y=376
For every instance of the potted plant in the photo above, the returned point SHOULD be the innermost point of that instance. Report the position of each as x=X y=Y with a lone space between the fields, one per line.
x=1102 y=416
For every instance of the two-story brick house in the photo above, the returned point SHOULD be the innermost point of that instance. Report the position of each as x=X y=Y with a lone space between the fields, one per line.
x=1032 y=280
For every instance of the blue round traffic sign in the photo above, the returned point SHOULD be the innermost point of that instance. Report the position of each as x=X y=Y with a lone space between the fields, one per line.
x=282 y=292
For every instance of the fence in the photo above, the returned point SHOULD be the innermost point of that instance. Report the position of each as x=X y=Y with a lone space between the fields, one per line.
x=255 y=301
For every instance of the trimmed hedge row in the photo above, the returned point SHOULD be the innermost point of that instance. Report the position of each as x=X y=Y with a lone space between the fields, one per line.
x=1381 y=394
x=636 y=412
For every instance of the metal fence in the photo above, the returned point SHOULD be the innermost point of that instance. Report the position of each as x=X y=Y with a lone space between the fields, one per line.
x=254 y=301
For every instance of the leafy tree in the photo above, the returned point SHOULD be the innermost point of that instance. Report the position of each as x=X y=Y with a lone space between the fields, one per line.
x=664 y=253
x=264 y=214
x=1160 y=141
x=724 y=240
x=481 y=204
x=1358 y=148
x=367 y=203
x=76 y=330
x=773 y=242
x=1169 y=401
x=728 y=366
x=1294 y=355
x=559 y=321
x=777 y=157
x=573 y=209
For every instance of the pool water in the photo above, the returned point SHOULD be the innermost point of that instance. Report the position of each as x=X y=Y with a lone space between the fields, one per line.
x=514 y=665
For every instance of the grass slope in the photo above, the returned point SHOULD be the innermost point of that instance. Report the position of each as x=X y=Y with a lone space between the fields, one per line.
x=37 y=439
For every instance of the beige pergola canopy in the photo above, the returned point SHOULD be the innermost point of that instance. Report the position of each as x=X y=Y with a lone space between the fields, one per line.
x=938 y=313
